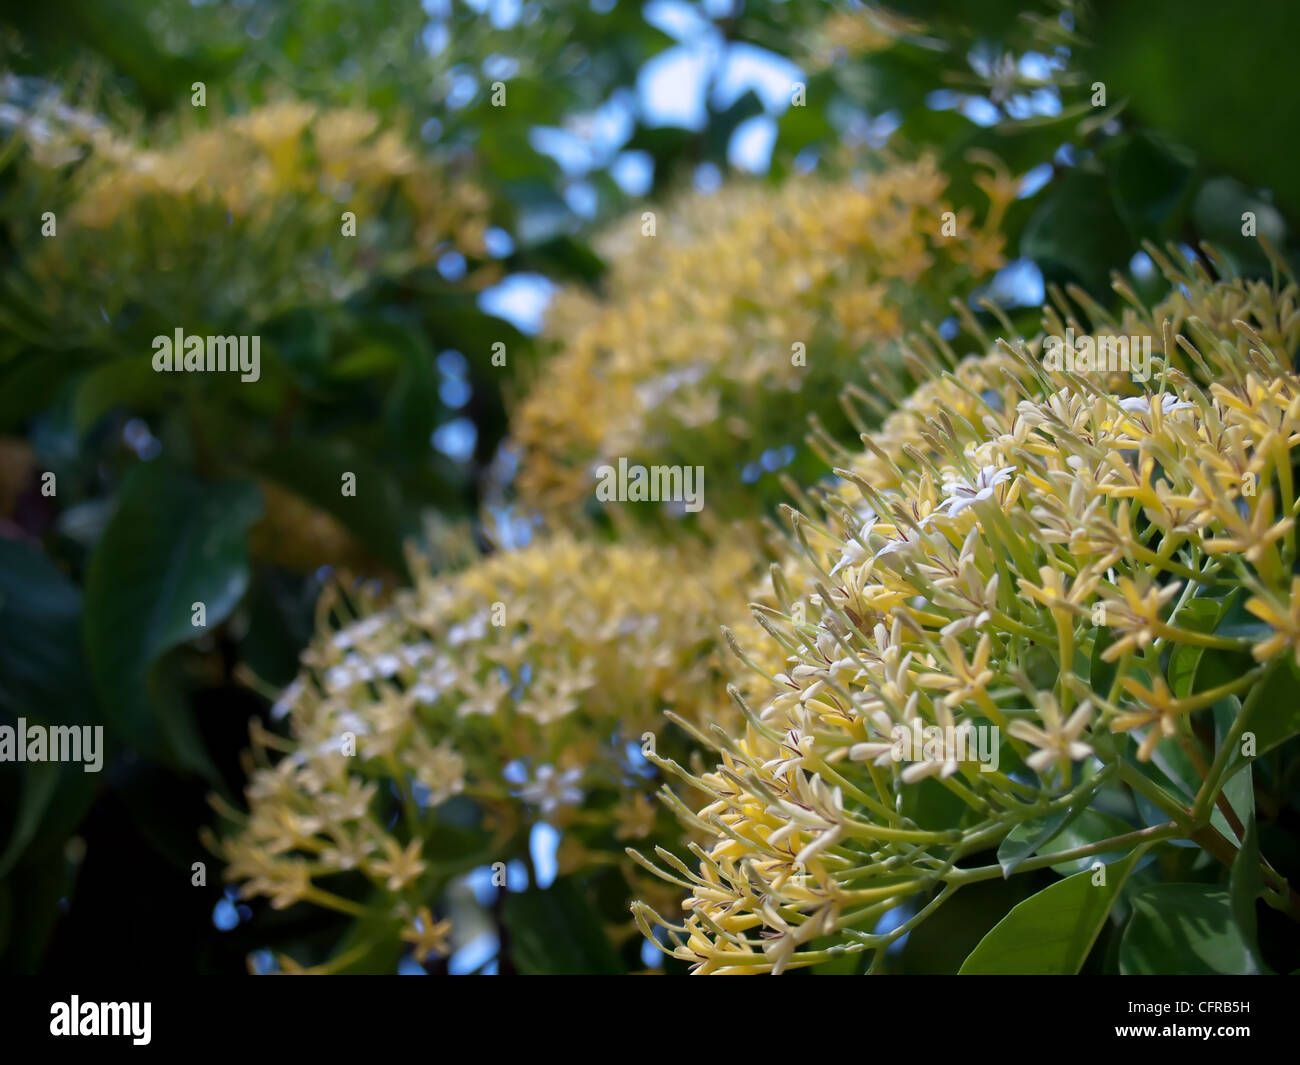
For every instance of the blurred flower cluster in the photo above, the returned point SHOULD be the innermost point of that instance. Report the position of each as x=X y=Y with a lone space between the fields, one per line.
x=531 y=683
x=743 y=311
x=137 y=215
x=856 y=33
x=1093 y=572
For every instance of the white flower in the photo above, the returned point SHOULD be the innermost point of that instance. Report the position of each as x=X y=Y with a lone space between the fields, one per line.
x=415 y=653
x=338 y=678
x=963 y=494
x=1059 y=739
x=549 y=790
x=854 y=553
x=285 y=703
x=388 y=665
x=1142 y=404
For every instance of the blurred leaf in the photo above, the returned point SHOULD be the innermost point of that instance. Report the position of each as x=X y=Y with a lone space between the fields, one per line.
x=568 y=257
x=555 y=932
x=35 y=891
x=28 y=384
x=1101 y=674
x=723 y=124
x=301 y=339
x=119 y=382
x=172 y=541
x=1180 y=65
x=381 y=935
x=43 y=678
x=943 y=941
x=1218 y=212
x=43 y=673
x=807 y=126
x=1152 y=187
x=1075 y=235
x=281 y=618
x=39 y=781
x=932 y=806
x=314 y=470
x=457 y=840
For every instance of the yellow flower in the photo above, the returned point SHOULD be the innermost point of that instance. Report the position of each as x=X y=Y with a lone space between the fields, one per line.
x=1058 y=740
x=553 y=663
x=1283 y=617
x=1159 y=708
x=402 y=865
x=427 y=936
x=893 y=606
x=1136 y=613
x=743 y=309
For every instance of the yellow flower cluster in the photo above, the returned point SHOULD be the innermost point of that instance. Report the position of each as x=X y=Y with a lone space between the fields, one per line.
x=726 y=318
x=1038 y=554
x=857 y=33
x=530 y=682
x=281 y=178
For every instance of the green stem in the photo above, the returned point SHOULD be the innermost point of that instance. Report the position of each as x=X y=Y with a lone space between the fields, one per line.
x=1154 y=834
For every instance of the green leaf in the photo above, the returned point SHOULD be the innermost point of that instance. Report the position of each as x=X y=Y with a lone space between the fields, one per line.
x=1245 y=885
x=932 y=806
x=1076 y=235
x=1091 y=826
x=1274 y=714
x=314 y=469
x=42 y=660
x=28 y=384
x=366 y=360
x=1101 y=674
x=1145 y=52
x=1238 y=787
x=1198 y=615
x=1184 y=930
x=39 y=780
x=1025 y=839
x=724 y=123
x=555 y=932
x=172 y=541
x=1052 y=932
x=456 y=840
x=1217 y=214
x=1152 y=187
x=121 y=382
x=43 y=678
x=382 y=936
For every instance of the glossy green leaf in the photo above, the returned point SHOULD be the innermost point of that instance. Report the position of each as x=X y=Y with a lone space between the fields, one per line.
x=1198 y=615
x=1274 y=711
x=1091 y=826
x=1184 y=930
x=1052 y=932
x=1025 y=839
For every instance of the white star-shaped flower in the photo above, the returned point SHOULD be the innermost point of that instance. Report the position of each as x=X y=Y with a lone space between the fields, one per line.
x=963 y=494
